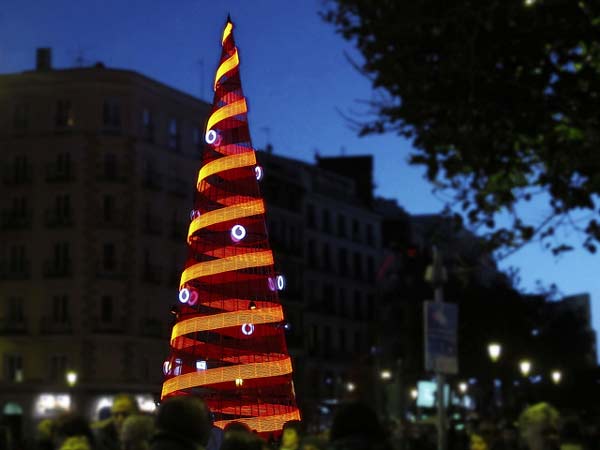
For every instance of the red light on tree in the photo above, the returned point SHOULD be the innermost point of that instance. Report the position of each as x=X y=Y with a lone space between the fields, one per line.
x=228 y=344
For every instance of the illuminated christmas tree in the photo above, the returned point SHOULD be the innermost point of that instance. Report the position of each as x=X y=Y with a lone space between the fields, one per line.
x=228 y=344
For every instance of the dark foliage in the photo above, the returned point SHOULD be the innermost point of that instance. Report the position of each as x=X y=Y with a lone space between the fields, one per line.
x=501 y=100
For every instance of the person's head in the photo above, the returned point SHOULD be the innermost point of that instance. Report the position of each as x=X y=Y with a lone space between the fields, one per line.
x=69 y=425
x=136 y=432
x=241 y=440
x=237 y=427
x=353 y=419
x=187 y=417
x=292 y=433
x=477 y=442
x=123 y=406
x=538 y=426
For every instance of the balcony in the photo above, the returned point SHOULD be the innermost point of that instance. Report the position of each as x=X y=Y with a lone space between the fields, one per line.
x=58 y=269
x=15 y=220
x=13 y=177
x=13 y=326
x=178 y=187
x=152 y=273
x=114 y=326
x=152 y=328
x=56 y=219
x=15 y=270
x=48 y=325
x=59 y=173
x=152 y=180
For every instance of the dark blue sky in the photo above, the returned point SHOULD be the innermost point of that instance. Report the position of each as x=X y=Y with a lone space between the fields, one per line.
x=296 y=78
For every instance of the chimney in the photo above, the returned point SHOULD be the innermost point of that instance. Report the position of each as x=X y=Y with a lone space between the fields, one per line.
x=43 y=60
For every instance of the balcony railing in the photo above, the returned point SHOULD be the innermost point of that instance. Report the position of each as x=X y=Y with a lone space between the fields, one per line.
x=18 y=270
x=13 y=326
x=49 y=325
x=152 y=273
x=15 y=220
x=56 y=219
x=58 y=269
x=56 y=173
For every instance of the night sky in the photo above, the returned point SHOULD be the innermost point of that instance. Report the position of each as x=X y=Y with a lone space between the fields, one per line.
x=295 y=75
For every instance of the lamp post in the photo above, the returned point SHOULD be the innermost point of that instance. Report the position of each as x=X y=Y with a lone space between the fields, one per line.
x=494 y=350
x=556 y=376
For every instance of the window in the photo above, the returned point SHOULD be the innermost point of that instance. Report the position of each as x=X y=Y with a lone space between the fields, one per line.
x=111 y=114
x=14 y=310
x=106 y=309
x=371 y=307
x=22 y=169
x=197 y=139
x=312 y=253
x=357 y=341
x=370 y=269
x=358 y=307
x=64 y=114
x=326 y=225
x=174 y=134
x=311 y=216
x=58 y=367
x=61 y=254
x=358 y=269
x=342 y=302
x=63 y=206
x=108 y=208
x=342 y=261
x=13 y=368
x=327 y=339
x=20 y=207
x=329 y=298
x=21 y=117
x=326 y=257
x=342 y=339
x=370 y=235
x=147 y=125
x=60 y=309
x=110 y=166
x=355 y=230
x=341 y=225
x=108 y=256
x=63 y=164
x=16 y=259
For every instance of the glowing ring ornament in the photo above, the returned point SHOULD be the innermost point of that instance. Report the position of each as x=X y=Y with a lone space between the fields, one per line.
x=248 y=329
x=166 y=367
x=280 y=282
x=238 y=232
x=184 y=295
x=193 y=298
x=194 y=213
x=272 y=284
x=211 y=137
x=259 y=172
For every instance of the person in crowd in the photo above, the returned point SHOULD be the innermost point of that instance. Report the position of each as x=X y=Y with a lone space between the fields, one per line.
x=538 y=427
x=136 y=432
x=571 y=435
x=182 y=423
x=108 y=431
x=292 y=435
x=242 y=440
x=312 y=443
x=356 y=426
x=72 y=432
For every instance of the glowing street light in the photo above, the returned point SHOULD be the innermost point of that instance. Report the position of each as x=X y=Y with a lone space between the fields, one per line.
x=350 y=387
x=556 y=376
x=386 y=375
x=71 y=377
x=494 y=350
x=239 y=382
x=414 y=394
x=462 y=387
x=525 y=367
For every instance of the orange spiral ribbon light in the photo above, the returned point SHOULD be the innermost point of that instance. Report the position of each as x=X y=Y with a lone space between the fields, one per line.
x=228 y=344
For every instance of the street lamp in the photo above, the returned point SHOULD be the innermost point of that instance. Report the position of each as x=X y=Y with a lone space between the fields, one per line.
x=71 y=377
x=462 y=387
x=414 y=393
x=386 y=375
x=350 y=387
x=556 y=376
x=525 y=367
x=494 y=350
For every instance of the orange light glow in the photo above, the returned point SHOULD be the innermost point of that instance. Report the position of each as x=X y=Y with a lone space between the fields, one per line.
x=225 y=214
x=230 y=110
x=225 y=374
x=226 y=163
x=244 y=261
x=230 y=63
x=228 y=319
x=226 y=32
x=264 y=424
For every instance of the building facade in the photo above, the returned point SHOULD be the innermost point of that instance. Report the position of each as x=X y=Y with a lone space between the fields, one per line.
x=98 y=170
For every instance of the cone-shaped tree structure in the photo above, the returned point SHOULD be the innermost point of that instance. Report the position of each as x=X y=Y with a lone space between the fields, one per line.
x=228 y=343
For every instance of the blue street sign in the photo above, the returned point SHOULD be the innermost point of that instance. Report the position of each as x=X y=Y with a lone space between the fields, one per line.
x=441 y=347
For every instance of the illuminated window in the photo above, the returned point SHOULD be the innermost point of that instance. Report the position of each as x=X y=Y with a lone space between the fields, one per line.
x=64 y=114
x=13 y=368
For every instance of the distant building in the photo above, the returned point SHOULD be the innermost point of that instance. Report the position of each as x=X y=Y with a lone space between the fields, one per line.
x=98 y=171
